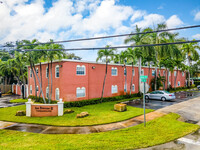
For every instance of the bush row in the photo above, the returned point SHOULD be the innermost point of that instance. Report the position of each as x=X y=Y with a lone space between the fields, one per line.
x=98 y=100
x=40 y=99
x=88 y=102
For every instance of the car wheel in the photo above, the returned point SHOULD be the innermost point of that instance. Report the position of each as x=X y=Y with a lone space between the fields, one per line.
x=146 y=97
x=163 y=98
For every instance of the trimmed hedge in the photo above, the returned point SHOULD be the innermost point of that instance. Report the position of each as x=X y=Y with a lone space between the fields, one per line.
x=98 y=100
x=90 y=101
x=40 y=99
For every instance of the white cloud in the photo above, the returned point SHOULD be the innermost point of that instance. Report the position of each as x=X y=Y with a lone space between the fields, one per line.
x=197 y=16
x=150 y=20
x=138 y=14
x=174 y=21
x=196 y=36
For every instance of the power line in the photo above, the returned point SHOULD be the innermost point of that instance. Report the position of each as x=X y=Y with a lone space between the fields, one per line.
x=105 y=37
x=98 y=48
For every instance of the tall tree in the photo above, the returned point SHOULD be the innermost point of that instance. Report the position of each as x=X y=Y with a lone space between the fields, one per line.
x=108 y=54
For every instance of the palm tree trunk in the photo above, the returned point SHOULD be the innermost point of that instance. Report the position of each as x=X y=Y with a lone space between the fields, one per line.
x=131 y=79
x=104 y=80
x=39 y=84
x=34 y=81
x=155 y=78
x=48 y=84
x=51 y=82
x=126 y=79
x=139 y=74
x=175 y=79
x=189 y=71
x=149 y=75
x=168 y=78
x=40 y=77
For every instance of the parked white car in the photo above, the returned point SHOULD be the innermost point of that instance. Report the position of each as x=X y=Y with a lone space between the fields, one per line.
x=160 y=95
x=198 y=86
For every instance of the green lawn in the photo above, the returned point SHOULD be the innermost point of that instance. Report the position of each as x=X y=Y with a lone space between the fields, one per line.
x=99 y=114
x=18 y=100
x=158 y=131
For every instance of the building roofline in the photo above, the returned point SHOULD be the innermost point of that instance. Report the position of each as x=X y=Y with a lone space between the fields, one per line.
x=93 y=62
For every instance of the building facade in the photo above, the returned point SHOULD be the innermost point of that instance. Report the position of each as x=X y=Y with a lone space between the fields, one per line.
x=74 y=80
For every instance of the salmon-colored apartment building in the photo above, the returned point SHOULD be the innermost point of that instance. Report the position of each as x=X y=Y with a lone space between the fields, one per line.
x=75 y=80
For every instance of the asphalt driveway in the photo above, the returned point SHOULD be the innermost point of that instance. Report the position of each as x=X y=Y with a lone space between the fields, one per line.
x=5 y=101
x=158 y=104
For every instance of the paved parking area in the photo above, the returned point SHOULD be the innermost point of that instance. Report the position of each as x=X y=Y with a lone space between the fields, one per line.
x=158 y=104
x=5 y=101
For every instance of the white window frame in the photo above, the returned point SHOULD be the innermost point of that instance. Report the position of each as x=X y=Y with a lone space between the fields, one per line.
x=83 y=66
x=133 y=89
x=37 y=71
x=114 y=68
x=80 y=93
x=169 y=73
x=142 y=70
x=31 y=73
x=183 y=73
x=152 y=72
x=114 y=89
x=169 y=83
x=175 y=73
x=37 y=88
x=57 y=66
x=47 y=92
x=57 y=93
x=47 y=72
x=125 y=87
x=133 y=72
x=179 y=83
x=159 y=72
x=31 y=90
x=163 y=72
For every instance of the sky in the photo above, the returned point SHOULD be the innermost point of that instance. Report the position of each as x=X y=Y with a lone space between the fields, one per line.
x=72 y=19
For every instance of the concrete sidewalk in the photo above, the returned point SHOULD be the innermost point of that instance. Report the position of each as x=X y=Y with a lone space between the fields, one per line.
x=45 y=129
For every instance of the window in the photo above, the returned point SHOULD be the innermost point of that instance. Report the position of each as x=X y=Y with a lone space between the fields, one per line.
x=57 y=71
x=80 y=92
x=47 y=72
x=125 y=88
x=37 y=88
x=164 y=72
x=31 y=73
x=133 y=87
x=30 y=89
x=57 y=94
x=179 y=84
x=153 y=72
x=182 y=74
x=133 y=72
x=125 y=71
x=47 y=92
x=159 y=72
x=114 y=71
x=114 y=89
x=80 y=70
x=169 y=73
x=142 y=72
x=36 y=70
x=175 y=73
x=169 y=83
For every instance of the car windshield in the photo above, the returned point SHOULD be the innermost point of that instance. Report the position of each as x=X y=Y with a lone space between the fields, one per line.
x=167 y=92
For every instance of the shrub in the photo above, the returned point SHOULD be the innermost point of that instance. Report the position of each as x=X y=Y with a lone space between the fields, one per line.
x=40 y=99
x=98 y=100
x=193 y=86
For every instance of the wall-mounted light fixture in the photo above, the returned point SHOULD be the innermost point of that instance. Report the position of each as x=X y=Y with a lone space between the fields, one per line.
x=93 y=67
x=60 y=66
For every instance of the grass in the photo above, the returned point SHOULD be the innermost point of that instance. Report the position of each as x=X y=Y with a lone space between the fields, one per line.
x=158 y=131
x=18 y=100
x=99 y=114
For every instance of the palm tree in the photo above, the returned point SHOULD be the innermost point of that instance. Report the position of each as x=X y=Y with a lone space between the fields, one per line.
x=131 y=58
x=108 y=55
x=50 y=56
x=190 y=51
x=137 y=39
